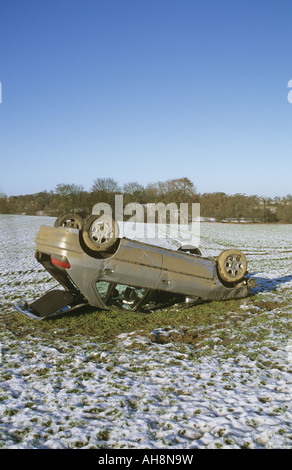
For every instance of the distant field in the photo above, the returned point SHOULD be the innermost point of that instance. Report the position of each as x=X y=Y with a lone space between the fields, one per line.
x=216 y=375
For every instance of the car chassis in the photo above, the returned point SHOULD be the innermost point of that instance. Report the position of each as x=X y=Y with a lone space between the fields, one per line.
x=97 y=268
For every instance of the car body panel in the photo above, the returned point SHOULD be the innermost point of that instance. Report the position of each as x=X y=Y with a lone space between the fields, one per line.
x=134 y=270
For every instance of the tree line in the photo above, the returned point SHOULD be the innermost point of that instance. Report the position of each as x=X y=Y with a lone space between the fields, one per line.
x=217 y=206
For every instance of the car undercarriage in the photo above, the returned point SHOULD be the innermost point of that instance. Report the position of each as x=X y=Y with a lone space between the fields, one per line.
x=94 y=267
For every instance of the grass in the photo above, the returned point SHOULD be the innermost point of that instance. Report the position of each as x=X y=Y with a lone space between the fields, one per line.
x=202 y=326
x=106 y=325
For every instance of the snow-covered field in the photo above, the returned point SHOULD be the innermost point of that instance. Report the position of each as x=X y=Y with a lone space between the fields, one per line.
x=135 y=393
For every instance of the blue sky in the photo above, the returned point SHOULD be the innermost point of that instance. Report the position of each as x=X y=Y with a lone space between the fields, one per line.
x=146 y=90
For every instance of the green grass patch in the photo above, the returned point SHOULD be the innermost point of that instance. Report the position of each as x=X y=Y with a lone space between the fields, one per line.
x=107 y=324
x=194 y=325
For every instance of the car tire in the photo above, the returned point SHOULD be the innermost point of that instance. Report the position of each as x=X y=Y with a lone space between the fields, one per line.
x=69 y=219
x=99 y=233
x=231 y=266
x=190 y=249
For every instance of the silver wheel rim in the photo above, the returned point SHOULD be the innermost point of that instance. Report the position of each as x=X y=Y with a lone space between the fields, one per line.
x=234 y=265
x=101 y=231
x=70 y=223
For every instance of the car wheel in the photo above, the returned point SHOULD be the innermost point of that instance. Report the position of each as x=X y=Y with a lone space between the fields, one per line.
x=190 y=249
x=231 y=265
x=69 y=219
x=99 y=232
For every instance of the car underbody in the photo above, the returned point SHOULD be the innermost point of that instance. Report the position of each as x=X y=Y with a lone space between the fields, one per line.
x=127 y=274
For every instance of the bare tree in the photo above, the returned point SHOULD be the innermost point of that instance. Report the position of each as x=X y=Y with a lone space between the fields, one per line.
x=133 y=192
x=104 y=190
x=69 y=195
x=107 y=185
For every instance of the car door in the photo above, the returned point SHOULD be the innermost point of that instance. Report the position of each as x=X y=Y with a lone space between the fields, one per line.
x=187 y=274
x=135 y=264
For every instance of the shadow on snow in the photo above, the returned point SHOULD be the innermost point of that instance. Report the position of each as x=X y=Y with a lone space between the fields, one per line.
x=267 y=284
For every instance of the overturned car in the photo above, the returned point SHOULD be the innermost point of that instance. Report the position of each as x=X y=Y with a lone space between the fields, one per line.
x=96 y=267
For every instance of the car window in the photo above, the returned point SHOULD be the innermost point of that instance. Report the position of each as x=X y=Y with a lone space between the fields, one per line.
x=120 y=295
x=103 y=288
x=159 y=299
